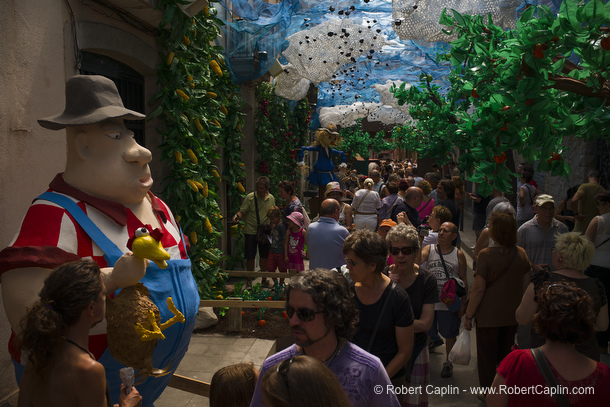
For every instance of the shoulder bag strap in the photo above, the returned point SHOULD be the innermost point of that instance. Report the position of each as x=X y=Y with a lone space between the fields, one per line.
x=258 y=219
x=505 y=269
x=529 y=191
x=383 y=307
x=425 y=206
x=602 y=243
x=440 y=253
x=549 y=377
x=357 y=206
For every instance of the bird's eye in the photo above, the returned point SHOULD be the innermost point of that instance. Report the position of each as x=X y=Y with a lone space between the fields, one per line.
x=114 y=136
x=141 y=232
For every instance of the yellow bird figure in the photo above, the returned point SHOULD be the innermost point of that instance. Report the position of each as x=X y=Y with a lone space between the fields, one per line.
x=146 y=244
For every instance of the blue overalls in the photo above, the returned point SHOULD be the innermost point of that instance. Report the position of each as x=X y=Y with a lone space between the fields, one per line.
x=175 y=281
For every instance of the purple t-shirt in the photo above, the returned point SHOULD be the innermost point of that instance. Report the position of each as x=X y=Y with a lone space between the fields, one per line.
x=358 y=372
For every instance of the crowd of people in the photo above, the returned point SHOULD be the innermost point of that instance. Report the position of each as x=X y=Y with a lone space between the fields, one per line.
x=372 y=303
x=394 y=237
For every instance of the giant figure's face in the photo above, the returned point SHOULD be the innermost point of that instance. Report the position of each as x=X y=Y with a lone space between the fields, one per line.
x=113 y=165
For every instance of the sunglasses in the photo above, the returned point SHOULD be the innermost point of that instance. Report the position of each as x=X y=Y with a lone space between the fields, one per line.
x=283 y=369
x=303 y=314
x=404 y=250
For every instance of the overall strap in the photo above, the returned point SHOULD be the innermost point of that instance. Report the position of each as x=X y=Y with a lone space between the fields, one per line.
x=111 y=251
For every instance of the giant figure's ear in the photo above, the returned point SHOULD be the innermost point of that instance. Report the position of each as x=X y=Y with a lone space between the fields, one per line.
x=81 y=144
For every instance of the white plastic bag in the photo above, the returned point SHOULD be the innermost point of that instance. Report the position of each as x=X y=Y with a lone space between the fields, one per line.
x=460 y=353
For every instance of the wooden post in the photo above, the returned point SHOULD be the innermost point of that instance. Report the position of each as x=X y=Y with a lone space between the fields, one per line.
x=234 y=316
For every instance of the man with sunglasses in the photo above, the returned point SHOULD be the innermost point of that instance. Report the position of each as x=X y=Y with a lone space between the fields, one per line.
x=323 y=317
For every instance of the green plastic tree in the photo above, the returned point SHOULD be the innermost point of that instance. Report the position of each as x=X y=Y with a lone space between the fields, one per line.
x=515 y=90
x=354 y=140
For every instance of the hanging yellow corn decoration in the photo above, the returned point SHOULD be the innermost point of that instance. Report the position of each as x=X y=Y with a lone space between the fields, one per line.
x=178 y=218
x=206 y=11
x=211 y=95
x=170 y=58
x=216 y=174
x=192 y=185
x=216 y=123
x=178 y=156
x=192 y=156
x=205 y=190
x=193 y=237
x=186 y=40
x=208 y=226
x=241 y=187
x=199 y=184
x=224 y=110
x=185 y=117
x=215 y=67
x=182 y=95
x=189 y=79
x=198 y=125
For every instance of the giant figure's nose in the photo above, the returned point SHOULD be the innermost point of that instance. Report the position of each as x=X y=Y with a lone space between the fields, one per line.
x=138 y=153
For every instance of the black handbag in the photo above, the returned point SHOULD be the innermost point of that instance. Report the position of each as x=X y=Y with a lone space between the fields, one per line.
x=263 y=231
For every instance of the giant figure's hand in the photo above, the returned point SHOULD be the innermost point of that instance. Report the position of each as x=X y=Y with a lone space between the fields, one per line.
x=127 y=271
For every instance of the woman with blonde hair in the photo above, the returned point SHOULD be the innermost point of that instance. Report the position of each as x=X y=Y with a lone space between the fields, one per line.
x=302 y=381
x=364 y=206
x=572 y=255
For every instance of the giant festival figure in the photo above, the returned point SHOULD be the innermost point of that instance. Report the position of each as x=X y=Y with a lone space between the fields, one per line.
x=91 y=210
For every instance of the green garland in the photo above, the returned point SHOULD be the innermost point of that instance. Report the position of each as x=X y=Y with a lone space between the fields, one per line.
x=200 y=110
x=279 y=132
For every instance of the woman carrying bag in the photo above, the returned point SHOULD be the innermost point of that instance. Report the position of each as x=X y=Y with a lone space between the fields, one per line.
x=502 y=272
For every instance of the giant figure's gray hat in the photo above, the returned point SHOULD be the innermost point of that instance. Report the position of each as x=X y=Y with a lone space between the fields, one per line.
x=90 y=99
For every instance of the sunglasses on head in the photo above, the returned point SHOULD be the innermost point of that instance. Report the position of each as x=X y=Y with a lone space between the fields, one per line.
x=405 y=250
x=303 y=314
x=283 y=368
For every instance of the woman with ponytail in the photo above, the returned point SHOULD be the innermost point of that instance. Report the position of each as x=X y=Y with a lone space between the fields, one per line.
x=60 y=370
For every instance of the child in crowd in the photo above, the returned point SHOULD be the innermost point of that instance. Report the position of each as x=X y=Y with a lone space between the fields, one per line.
x=233 y=385
x=294 y=242
x=276 y=259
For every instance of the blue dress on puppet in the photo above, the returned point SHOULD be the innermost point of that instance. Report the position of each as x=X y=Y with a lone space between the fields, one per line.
x=323 y=169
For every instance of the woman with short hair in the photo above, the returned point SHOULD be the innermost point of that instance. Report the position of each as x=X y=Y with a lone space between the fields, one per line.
x=385 y=328
x=572 y=255
x=420 y=285
x=565 y=316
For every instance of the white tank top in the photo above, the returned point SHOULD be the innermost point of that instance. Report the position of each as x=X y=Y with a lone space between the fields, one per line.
x=602 y=253
x=435 y=266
